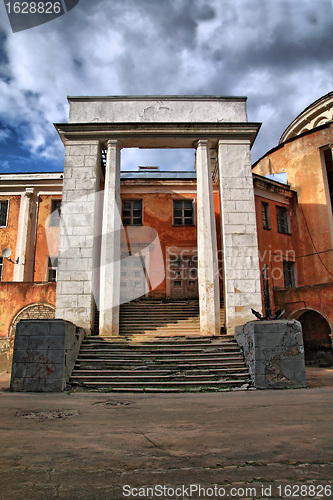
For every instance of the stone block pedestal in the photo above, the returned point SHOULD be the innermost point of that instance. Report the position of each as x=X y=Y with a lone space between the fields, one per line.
x=45 y=352
x=274 y=353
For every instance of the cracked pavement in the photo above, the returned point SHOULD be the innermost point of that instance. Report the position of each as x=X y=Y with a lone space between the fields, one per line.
x=89 y=445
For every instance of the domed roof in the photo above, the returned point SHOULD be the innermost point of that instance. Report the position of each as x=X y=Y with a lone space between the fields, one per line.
x=318 y=113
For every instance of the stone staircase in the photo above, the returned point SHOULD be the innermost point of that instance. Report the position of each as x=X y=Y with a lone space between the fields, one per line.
x=158 y=318
x=169 y=364
x=160 y=349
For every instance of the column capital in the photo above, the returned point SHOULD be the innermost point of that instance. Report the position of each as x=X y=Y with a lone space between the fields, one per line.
x=113 y=143
x=202 y=143
x=29 y=192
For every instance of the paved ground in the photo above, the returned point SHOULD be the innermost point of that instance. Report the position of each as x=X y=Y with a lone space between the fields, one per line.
x=91 y=445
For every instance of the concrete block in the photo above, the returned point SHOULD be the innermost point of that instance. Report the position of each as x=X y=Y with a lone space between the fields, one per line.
x=44 y=355
x=241 y=194
x=245 y=206
x=234 y=229
x=229 y=206
x=72 y=288
x=74 y=161
x=79 y=150
x=274 y=353
x=236 y=218
x=244 y=240
x=90 y=161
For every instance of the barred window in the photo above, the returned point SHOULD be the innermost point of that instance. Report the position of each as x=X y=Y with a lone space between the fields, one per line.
x=289 y=274
x=282 y=220
x=266 y=223
x=183 y=213
x=52 y=267
x=132 y=212
x=4 y=212
x=55 y=212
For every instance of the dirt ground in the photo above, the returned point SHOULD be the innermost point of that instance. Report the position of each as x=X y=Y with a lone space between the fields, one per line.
x=245 y=444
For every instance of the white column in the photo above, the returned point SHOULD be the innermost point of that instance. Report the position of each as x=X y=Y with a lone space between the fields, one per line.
x=110 y=249
x=208 y=277
x=242 y=289
x=78 y=233
x=22 y=235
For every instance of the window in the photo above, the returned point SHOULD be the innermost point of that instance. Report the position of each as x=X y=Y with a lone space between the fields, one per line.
x=1 y=267
x=266 y=223
x=289 y=274
x=329 y=169
x=55 y=212
x=132 y=212
x=3 y=212
x=183 y=213
x=282 y=220
x=52 y=269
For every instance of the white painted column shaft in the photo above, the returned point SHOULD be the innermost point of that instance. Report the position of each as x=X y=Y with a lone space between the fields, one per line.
x=110 y=250
x=22 y=235
x=208 y=278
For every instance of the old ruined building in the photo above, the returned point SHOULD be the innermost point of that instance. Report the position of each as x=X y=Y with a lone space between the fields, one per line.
x=304 y=157
x=158 y=253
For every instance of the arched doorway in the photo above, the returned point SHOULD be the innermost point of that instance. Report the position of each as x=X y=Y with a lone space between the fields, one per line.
x=38 y=310
x=316 y=337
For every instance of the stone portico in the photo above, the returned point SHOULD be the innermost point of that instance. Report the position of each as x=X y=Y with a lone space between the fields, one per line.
x=89 y=245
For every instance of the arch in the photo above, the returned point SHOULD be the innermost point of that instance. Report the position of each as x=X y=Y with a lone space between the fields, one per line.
x=316 y=333
x=320 y=121
x=37 y=310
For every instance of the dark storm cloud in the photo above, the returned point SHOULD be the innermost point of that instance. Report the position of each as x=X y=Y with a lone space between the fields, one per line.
x=276 y=52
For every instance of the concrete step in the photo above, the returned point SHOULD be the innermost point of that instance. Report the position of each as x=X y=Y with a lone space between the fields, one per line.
x=136 y=356
x=161 y=345
x=213 y=384
x=182 y=339
x=106 y=349
x=238 y=372
x=100 y=365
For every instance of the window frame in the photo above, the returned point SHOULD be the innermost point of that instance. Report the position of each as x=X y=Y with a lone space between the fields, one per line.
x=54 y=220
x=7 y=211
x=183 y=200
x=52 y=265
x=280 y=228
x=289 y=270
x=131 y=216
x=265 y=215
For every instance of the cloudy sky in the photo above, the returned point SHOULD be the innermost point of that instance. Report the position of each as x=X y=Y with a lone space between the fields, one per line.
x=278 y=53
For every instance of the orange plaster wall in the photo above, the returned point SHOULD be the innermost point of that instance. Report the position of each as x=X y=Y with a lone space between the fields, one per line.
x=8 y=235
x=301 y=159
x=318 y=298
x=15 y=296
x=275 y=247
x=47 y=238
x=157 y=214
